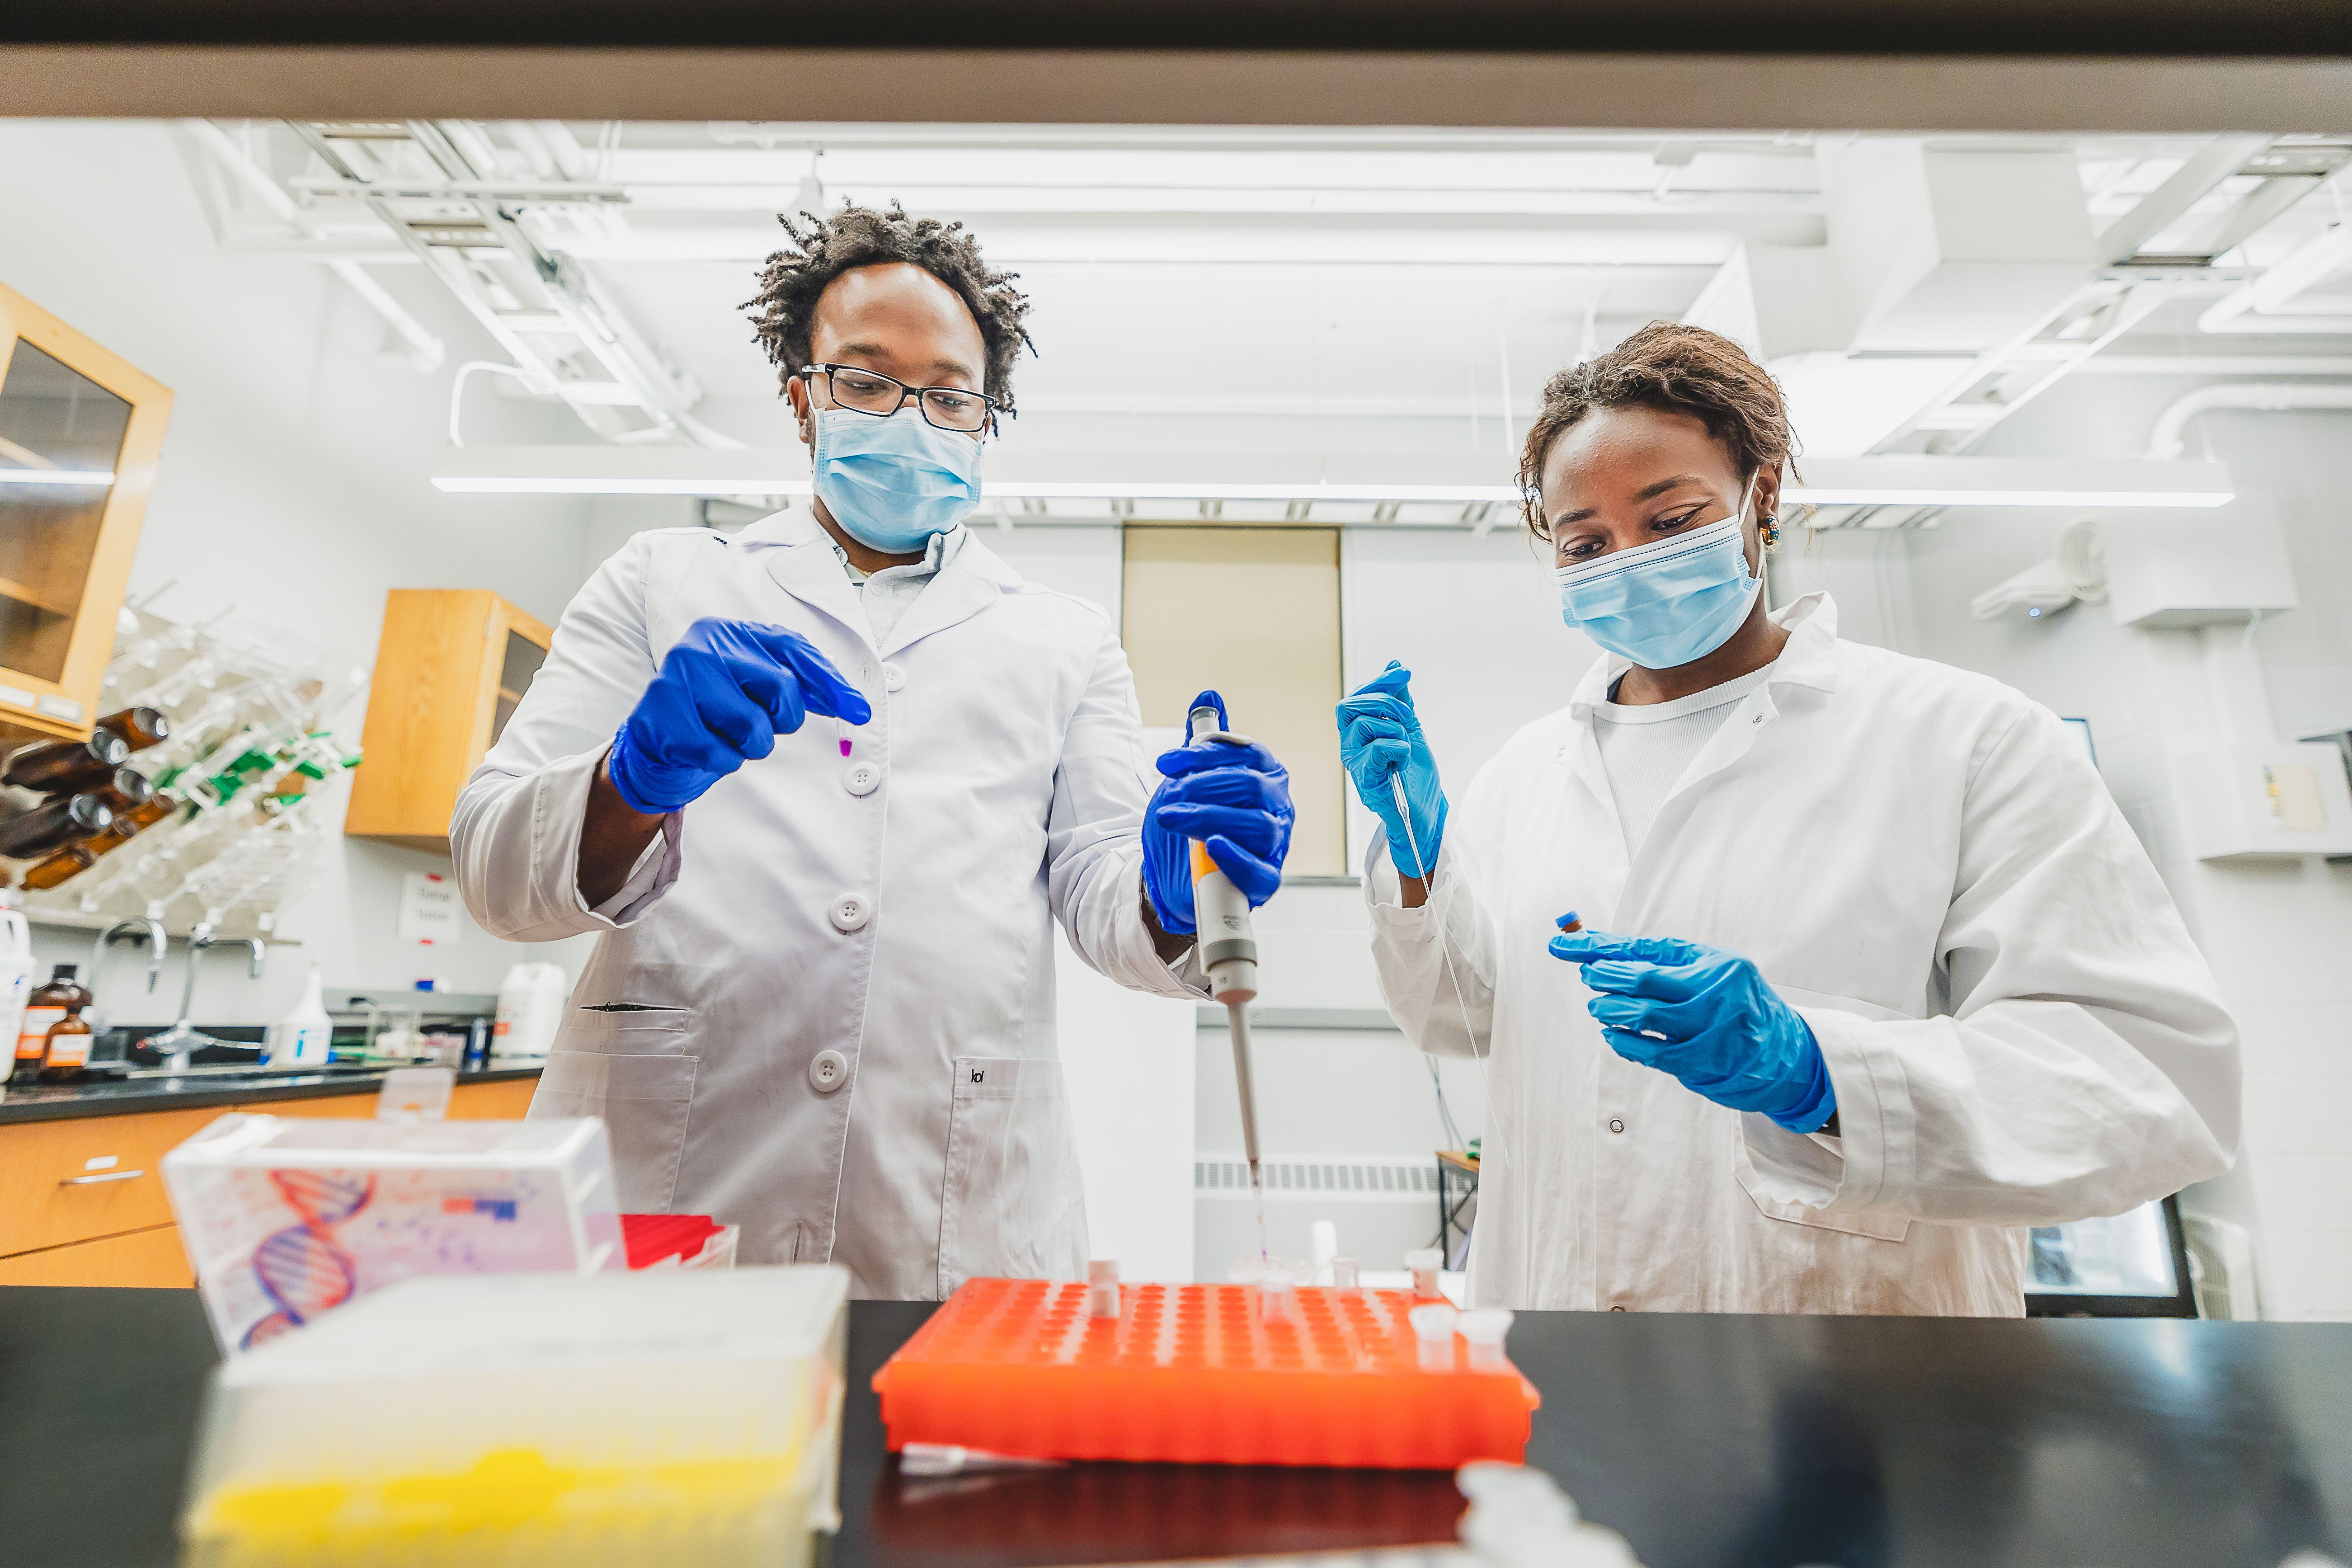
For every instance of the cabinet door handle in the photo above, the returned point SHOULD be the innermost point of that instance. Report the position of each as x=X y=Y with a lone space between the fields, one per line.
x=101 y=1176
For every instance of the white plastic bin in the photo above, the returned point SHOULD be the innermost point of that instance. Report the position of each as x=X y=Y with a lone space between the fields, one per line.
x=285 y=1220
x=529 y=1420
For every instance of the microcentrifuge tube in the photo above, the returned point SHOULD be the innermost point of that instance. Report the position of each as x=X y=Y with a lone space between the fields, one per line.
x=1344 y=1274
x=1425 y=1264
x=1432 y=1331
x=1484 y=1329
x=1102 y=1287
x=1277 y=1295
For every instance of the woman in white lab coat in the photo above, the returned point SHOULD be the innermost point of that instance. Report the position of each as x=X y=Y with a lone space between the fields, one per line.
x=1871 y=975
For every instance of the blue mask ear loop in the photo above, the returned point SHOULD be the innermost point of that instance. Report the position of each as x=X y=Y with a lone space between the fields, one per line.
x=1764 y=541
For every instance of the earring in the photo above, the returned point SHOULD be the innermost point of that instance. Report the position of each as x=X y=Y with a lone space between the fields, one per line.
x=1769 y=529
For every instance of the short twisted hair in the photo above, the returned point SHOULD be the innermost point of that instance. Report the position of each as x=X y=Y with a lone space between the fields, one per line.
x=1678 y=370
x=821 y=250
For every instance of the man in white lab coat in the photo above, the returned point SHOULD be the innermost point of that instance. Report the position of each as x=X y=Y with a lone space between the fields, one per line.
x=823 y=788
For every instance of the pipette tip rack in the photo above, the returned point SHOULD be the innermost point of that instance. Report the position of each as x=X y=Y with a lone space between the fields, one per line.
x=1201 y=1374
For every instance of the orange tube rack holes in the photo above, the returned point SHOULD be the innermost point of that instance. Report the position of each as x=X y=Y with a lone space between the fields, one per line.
x=1197 y=1374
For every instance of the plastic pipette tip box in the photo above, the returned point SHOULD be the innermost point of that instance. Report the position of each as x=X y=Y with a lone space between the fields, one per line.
x=533 y=1421
x=1198 y=1374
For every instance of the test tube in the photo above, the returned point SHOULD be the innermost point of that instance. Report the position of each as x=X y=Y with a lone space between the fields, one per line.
x=1344 y=1273
x=1425 y=1262
x=1432 y=1331
x=1277 y=1295
x=1102 y=1286
x=1484 y=1329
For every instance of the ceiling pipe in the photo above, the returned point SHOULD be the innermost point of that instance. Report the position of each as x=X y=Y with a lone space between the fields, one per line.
x=2166 y=441
x=2258 y=306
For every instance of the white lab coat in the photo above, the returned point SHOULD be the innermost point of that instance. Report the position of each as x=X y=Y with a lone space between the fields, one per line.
x=1926 y=867
x=895 y=908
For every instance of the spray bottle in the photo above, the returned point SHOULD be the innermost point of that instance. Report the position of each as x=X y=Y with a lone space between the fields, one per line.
x=301 y=1037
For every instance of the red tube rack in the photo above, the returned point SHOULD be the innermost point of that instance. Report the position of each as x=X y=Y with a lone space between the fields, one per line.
x=1198 y=1374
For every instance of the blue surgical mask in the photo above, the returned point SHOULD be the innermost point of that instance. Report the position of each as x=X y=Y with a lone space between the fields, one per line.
x=1668 y=603
x=895 y=481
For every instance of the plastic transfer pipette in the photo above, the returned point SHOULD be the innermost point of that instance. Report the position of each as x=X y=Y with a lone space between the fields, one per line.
x=1228 y=941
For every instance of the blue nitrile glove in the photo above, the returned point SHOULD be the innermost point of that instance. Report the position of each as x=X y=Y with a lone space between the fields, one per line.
x=1708 y=1017
x=1236 y=801
x=1380 y=736
x=725 y=692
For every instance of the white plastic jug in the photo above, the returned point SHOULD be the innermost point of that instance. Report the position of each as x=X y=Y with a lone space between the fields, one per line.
x=530 y=1010
x=15 y=973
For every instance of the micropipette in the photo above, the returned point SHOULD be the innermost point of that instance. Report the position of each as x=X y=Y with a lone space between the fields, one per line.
x=1228 y=944
x=1486 y=1086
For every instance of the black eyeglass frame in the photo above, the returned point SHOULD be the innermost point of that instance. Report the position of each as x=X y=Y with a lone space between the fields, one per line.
x=921 y=396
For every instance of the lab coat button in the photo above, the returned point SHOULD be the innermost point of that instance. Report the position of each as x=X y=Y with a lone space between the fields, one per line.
x=828 y=1072
x=1615 y=1125
x=893 y=678
x=849 y=912
x=861 y=778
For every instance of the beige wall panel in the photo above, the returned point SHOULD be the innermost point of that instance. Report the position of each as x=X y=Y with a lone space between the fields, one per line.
x=1254 y=613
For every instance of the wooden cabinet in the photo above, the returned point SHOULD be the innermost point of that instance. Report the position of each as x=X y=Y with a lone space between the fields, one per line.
x=451 y=667
x=505 y=1101
x=92 y=1176
x=80 y=431
x=82 y=1201
x=147 y=1259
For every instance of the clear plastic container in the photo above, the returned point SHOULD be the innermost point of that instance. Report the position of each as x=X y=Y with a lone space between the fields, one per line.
x=285 y=1220
x=531 y=1420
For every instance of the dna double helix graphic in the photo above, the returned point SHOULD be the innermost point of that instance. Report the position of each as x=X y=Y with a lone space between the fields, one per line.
x=300 y=1269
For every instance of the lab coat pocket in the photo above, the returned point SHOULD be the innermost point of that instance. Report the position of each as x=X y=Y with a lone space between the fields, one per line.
x=1011 y=1205
x=1878 y=1226
x=646 y=1101
x=1800 y=1165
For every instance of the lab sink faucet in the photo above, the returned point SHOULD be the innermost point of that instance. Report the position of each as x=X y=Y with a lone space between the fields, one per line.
x=150 y=931
x=179 y=1043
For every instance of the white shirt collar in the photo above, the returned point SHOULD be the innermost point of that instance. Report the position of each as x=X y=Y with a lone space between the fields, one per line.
x=1808 y=660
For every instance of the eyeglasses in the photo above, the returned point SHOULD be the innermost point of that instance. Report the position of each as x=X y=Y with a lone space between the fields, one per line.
x=863 y=391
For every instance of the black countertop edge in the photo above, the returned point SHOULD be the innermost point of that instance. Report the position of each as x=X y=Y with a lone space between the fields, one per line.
x=130 y=1097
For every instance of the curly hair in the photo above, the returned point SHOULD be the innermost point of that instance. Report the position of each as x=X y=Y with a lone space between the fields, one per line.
x=1678 y=370
x=821 y=250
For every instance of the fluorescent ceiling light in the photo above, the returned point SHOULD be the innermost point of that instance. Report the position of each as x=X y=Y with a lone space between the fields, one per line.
x=619 y=485
x=1031 y=489
x=55 y=477
x=1897 y=495
x=1893 y=480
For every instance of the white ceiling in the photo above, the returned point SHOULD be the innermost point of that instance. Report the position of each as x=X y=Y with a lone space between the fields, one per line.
x=1370 y=290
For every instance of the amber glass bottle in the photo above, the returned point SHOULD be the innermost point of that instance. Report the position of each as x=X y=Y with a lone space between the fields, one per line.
x=140 y=728
x=66 y=1056
x=46 y=1006
x=29 y=835
x=126 y=792
x=59 y=767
